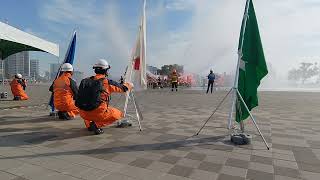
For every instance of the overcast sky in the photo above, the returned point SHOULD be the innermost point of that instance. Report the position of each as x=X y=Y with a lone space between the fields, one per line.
x=199 y=34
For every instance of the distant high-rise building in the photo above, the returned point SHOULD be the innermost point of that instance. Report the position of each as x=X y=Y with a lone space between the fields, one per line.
x=47 y=75
x=77 y=76
x=1 y=69
x=17 y=63
x=54 y=68
x=34 y=68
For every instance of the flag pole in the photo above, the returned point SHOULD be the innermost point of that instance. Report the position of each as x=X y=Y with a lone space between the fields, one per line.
x=130 y=68
x=234 y=93
x=235 y=88
x=138 y=112
x=235 y=85
x=127 y=93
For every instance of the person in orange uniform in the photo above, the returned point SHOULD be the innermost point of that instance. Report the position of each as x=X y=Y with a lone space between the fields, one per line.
x=65 y=91
x=103 y=114
x=18 y=87
x=174 y=80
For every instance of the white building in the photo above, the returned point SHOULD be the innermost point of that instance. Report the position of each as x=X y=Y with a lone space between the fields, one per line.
x=1 y=69
x=17 y=63
x=34 y=68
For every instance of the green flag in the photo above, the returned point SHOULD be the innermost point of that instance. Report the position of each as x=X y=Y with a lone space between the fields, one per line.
x=252 y=64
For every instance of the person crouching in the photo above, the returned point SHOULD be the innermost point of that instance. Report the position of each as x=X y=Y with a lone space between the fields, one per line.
x=93 y=98
x=18 y=87
x=65 y=91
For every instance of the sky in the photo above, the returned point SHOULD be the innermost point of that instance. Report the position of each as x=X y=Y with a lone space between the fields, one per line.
x=199 y=34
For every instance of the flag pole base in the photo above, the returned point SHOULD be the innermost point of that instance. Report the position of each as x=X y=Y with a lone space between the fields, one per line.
x=240 y=139
x=124 y=123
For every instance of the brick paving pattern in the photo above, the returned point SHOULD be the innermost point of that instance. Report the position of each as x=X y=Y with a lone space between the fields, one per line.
x=36 y=146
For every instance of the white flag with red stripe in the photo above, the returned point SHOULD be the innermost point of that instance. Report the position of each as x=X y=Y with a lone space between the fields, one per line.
x=136 y=72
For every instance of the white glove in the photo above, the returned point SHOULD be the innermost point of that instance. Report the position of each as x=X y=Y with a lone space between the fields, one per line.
x=131 y=84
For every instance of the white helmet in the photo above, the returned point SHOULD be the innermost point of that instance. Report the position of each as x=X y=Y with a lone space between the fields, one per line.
x=102 y=63
x=19 y=76
x=66 y=67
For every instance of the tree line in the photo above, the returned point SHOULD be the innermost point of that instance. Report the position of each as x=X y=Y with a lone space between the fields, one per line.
x=304 y=72
x=167 y=69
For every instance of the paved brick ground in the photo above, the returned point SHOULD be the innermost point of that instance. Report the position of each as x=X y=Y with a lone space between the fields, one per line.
x=36 y=146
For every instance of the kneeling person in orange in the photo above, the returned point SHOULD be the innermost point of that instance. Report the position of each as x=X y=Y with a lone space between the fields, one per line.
x=93 y=98
x=18 y=87
x=65 y=91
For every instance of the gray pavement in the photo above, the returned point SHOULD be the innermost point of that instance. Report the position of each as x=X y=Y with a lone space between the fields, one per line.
x=36 y=146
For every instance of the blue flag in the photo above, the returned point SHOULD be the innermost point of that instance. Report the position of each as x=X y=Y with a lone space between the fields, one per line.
x=69 y=58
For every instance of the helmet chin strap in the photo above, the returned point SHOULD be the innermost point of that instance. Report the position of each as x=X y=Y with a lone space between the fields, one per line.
x=107 y=70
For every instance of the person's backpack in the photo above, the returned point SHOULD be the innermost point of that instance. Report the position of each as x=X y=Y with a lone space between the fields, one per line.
x=89 y=94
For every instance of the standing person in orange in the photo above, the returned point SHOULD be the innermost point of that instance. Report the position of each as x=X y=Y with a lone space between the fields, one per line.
x=174 y=80
x=18 y=87
x=65 y=91
x=93 y=98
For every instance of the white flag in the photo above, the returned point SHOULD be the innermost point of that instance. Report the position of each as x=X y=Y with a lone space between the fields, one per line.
x=136 y=72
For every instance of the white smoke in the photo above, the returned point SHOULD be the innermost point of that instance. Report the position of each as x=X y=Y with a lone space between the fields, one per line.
x=207 y=38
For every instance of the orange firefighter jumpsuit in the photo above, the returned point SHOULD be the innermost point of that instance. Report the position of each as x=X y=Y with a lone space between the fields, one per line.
x=17 y=88
x=174 y=80
x=64 y=92
x=104 y=114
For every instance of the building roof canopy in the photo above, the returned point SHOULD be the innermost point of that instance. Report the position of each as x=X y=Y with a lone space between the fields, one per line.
x=13 y=40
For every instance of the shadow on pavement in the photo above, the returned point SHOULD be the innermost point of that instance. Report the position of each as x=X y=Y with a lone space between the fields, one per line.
x=10 y=130
x=6 y=99
x=7 y=120
x=206 y=143
x=31 y=138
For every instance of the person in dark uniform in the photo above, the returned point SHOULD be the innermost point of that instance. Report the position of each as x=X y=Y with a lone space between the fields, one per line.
x=211 y=78
x=159 y=82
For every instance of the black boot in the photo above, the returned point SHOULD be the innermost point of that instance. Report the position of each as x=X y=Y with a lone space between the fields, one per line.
x=89 y=128
x=67 y=117
x=99 y=131
x=17 y=98
x=60 y=115
x=63 y=115
x=93 y=127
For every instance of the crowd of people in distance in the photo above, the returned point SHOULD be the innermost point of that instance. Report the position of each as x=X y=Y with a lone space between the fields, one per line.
x=175 y=79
